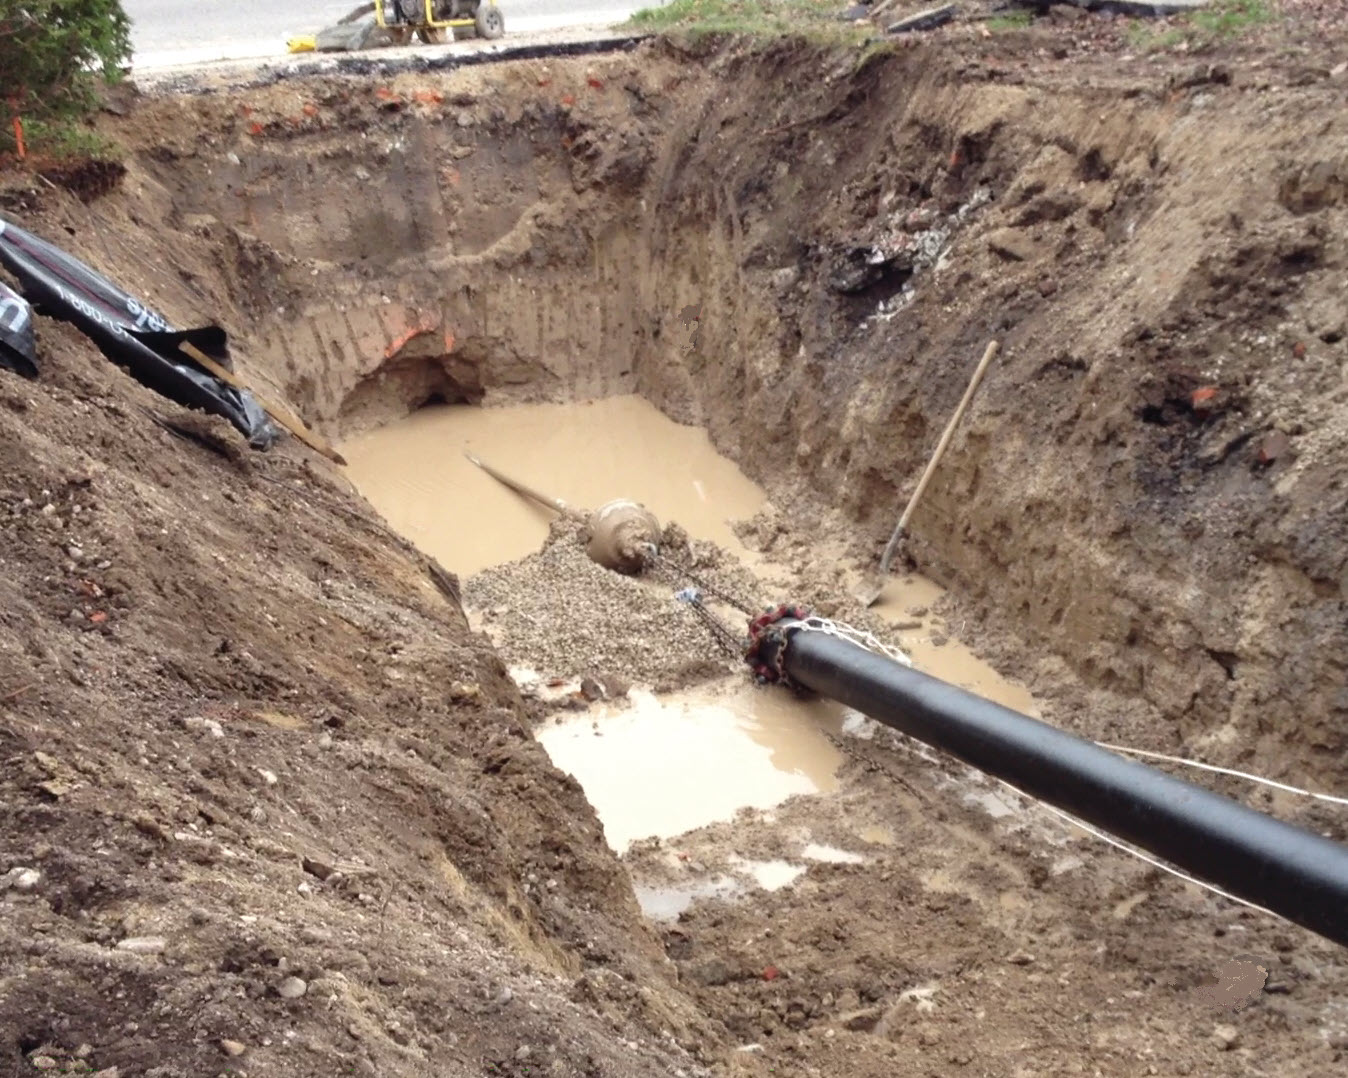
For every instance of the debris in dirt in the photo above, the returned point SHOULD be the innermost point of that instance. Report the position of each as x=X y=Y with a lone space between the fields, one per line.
x=929 y=19
x=292 y=988
x=1273 y=445
x=18 y=346
x=143 y=945
x=1226 y=1037
x=199 y=725
x=129 y=333
x=20 y=879
x=1012 y=244
x=1021 y=958
x=1140 y=9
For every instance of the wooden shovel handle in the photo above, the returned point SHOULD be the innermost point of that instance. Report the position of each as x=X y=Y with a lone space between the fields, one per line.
x=939 y=452
x=285 y=417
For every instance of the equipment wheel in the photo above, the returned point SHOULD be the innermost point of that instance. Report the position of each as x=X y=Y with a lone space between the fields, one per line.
x=489 y=22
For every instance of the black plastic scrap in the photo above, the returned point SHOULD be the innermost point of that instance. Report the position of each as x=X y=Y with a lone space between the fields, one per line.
x=129 y=333
x=18 y=349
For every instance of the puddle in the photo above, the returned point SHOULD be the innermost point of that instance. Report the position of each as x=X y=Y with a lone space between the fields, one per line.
x=770 y=875
x=665 y=765
x=586 y=453
x=832 y=855
x=666 y=903
x=951 y=661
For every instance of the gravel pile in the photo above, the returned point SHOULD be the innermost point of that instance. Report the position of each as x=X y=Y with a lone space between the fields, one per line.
x=563 y=616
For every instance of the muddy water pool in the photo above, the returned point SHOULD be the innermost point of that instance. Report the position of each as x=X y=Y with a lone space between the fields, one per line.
x=652 y=765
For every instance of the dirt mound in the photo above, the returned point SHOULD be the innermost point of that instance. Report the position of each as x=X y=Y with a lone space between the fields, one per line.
x=265 y=793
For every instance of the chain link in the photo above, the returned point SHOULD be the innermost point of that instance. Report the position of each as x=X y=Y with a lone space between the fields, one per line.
x=661 y=563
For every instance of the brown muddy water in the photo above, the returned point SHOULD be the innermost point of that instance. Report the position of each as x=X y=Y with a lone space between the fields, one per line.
x=652 y=765
x=585 y=453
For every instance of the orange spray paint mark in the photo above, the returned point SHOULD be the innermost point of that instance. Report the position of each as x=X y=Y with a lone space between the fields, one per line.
x=18 y=138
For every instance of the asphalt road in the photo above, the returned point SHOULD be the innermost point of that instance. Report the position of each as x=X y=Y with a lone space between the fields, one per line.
x=171 y=32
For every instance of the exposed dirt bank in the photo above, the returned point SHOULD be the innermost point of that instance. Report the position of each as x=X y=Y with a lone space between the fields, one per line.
x=1160 y=251
x=220 y=666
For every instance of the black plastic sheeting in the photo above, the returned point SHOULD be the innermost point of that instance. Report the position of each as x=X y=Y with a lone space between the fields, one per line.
x=129 y=333
x=18 y=350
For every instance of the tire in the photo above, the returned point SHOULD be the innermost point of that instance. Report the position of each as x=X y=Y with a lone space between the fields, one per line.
x=433 y=35
x=489 y=22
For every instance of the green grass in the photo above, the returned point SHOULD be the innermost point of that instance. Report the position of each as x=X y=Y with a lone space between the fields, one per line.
x=1225 y=20
x=1231 y=18
x=811 y=18
x=1014 y=20
x=64 y=142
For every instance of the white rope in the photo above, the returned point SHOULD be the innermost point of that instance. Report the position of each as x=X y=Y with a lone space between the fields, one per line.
x=1104 y=836
x=869 y=641
x=860 y=637
x=1249 y=777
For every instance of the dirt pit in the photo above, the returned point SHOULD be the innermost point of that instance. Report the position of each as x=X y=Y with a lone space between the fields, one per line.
x=249 y=740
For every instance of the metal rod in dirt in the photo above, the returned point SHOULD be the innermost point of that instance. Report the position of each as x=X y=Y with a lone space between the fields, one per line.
x=521 y=488
x=1286 y=869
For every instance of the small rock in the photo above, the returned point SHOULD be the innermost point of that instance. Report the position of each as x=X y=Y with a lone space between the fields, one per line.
x=460 y=691
x=291 y=988
x=315 y=867
x=233 y=1048
x=143 y=945
x=591 y=689
x=20 y=879
x=523 y=1052
x=84 y=1051
x=43 y=1063
x=325 y=740
x=1225 y=1037
x=862 y=1021
x=1012 y=244
x=1047 y=286
x=929 y=19
x=1021 y=958
x=269 y=777
x=108 y=1072
x=199 y=725
x=918 y=611
x=939 y=640
x=257 y=814
x=1273 y=445
x=505 y=995
x=75 y=553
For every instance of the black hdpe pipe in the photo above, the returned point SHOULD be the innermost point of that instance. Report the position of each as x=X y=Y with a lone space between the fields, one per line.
x=1288 y=870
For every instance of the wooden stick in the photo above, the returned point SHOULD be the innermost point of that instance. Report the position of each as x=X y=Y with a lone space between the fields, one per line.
x=939 y=452
x=529 y=492
x=285 y=417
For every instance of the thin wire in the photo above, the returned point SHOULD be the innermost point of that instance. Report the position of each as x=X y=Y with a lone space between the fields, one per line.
x=869 y=641
x=1139 y=854
x=1225 y=771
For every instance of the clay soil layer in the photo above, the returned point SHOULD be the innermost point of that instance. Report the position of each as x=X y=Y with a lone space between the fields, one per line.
x=269 y=807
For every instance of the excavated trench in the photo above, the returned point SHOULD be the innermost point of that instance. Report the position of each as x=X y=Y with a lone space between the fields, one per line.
x=802 y=256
